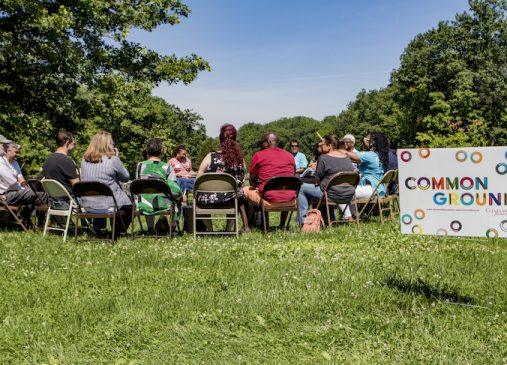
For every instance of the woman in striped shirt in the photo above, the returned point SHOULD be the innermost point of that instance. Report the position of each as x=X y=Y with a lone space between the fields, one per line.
x=101 y=163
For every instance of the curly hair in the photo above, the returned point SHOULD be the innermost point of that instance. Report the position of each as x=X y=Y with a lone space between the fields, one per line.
x=380 y=145
x=178 y=149
x=231 y=150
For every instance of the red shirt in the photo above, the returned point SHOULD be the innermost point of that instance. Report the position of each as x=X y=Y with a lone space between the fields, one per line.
x=273 y=162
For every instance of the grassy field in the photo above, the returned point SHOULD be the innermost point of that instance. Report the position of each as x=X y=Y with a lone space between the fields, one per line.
x=343 y=296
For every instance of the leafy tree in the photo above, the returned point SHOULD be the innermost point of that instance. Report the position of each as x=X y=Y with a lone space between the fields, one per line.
x=69 y=64
x=300 y=128
x=374 y=110
x=452 y=82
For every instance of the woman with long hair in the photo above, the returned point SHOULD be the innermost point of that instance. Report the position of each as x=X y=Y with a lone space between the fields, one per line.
x=101 y=163
x=372 y=164
x=228 y=159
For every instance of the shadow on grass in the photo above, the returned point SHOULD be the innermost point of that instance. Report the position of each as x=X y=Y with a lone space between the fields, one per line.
x=430 y=291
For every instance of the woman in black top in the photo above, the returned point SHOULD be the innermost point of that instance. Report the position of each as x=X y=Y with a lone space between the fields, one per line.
x=331 y=161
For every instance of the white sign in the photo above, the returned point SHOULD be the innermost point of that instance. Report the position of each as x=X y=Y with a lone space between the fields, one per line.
x=453 y=191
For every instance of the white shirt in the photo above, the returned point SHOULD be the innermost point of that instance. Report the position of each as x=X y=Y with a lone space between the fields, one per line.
x=9 y=173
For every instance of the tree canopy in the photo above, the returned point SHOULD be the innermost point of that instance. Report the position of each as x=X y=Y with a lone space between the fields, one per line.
x=69 y=65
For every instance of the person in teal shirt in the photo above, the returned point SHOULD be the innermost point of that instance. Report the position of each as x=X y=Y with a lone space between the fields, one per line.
x=299 y=157
x=372 y=164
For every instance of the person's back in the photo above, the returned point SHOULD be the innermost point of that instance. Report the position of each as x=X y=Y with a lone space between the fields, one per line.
x=153 y=169
x=329 y=165
x=61 y=168
x=271 y=162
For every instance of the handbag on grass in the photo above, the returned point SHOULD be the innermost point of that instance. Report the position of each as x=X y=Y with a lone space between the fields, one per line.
x=313 y=221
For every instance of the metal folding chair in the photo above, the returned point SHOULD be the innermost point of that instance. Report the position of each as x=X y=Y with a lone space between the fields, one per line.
x=56 y=190
x=12 y=212
x=216 y=183
x=340 y=179
x=279 y=183
x=85 y=189
x=377 y=201
x=152 y=186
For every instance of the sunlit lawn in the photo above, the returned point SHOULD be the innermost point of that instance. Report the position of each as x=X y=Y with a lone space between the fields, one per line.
x=343 y=296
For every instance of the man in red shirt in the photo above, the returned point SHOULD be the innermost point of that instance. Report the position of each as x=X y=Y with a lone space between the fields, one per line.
x=270 y=161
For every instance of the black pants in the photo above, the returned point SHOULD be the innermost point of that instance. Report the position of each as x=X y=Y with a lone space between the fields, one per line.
x=28 y=199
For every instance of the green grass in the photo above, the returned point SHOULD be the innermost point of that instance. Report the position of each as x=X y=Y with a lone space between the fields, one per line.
x=343 y=296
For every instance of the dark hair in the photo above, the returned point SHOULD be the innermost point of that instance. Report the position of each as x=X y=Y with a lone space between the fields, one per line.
x=380 y=144
x=272 y=142
x=294 y=141
x=154 y=147
x=331 y=139
x=63 y=137
x=231 y=151
x=340 y=143
x=316 y=152
x=177 y=150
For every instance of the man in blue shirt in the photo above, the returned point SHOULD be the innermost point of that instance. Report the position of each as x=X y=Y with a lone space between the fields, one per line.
x=299 y=158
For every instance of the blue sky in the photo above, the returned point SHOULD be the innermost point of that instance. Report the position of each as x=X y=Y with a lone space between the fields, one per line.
x=283 y=58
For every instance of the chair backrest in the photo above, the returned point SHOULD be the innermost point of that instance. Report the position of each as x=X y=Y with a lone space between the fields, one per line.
x=282 y=183
x=55 y=189
x=345 y=178
x=91 y=188
x=150 y=186
x=389 y=176
x=35 y=185
x=216 y=182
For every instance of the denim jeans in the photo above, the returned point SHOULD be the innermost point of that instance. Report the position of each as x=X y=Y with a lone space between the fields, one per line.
x=185 y=184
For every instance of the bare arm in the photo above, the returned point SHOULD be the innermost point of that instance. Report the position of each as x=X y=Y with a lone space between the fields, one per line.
x=353 y=156
x=205 y=164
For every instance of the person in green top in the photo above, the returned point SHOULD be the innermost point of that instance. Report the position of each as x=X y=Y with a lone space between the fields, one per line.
x=154 y=168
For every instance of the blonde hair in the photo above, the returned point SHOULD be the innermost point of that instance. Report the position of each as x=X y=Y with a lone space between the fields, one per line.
x=100 y=145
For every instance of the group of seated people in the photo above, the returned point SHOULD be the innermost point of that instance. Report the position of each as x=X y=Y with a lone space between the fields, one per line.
x=101 y=162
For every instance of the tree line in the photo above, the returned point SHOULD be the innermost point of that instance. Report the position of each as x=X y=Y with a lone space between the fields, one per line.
x=70 y=65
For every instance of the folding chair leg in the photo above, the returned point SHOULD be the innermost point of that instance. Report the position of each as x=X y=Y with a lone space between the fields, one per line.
x=75 y=227
x=67 y=223
x=113 y=228
x=263 y=219
x=48 y=218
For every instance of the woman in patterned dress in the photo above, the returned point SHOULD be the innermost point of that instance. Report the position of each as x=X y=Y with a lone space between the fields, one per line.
x=228 y=159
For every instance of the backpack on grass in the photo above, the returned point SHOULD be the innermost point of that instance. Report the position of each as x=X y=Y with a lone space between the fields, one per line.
x=313 y=221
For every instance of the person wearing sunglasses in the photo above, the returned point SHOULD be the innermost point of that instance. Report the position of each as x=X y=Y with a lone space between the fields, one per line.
x=299 y=157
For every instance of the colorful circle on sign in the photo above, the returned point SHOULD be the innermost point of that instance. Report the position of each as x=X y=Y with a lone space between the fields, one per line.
x=456 y=226
x=476 y=157
x=406 y=219
x=503 y=225
x=461 y=156
x=419 y=214
x=417 y=229
x=406 y=156
x=492 y=233
x=501 y=168
x=441 y=232
x=424 y=152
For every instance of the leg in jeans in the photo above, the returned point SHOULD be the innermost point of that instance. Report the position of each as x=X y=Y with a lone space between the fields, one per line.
x=307 y=193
